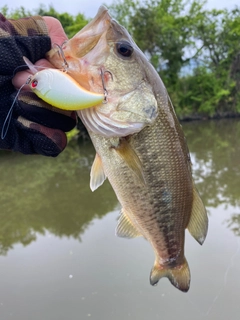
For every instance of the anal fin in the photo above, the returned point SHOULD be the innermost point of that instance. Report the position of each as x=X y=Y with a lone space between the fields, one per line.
x=198 y=224
x=97 y=175
x=125 y=228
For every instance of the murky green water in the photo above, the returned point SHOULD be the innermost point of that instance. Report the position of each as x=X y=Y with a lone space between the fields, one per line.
x=60 y=259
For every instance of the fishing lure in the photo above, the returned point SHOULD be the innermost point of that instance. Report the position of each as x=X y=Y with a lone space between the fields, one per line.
x=60 y=90
x=57 y=88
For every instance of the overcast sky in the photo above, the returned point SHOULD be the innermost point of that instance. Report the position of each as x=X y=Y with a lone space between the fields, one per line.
x=90 y=7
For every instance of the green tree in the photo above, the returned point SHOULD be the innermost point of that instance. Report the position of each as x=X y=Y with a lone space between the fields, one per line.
x=195 y=51
x=163 y=30
x=18 y=13
x=71 y=24
x=219 y=33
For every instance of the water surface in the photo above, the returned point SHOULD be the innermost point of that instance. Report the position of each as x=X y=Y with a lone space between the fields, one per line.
x=60 y=258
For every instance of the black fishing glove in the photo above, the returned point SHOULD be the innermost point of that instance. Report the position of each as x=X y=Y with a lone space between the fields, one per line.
x=33 y=126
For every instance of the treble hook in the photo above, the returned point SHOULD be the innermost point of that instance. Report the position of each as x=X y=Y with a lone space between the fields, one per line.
x=103 y=84
x=61 y=53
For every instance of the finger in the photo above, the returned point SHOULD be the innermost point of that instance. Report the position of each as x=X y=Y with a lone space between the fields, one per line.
x=36 y=110
x=21 y=77
x=43 y=64
x=55 y=29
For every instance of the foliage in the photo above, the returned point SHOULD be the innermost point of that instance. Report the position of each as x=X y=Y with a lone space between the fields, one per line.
x=71 y=24
x=204 y=93
x=162 y=30
x=15 y=14
x=196 y=51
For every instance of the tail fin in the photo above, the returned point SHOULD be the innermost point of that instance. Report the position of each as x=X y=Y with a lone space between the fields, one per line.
x=178 y=276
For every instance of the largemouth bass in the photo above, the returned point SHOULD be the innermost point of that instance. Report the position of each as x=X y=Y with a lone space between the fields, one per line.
x=140 y=145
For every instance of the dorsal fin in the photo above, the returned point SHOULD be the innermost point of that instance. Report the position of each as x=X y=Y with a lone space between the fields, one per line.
x=97 y=175
x=198 y=224
x=125 y=228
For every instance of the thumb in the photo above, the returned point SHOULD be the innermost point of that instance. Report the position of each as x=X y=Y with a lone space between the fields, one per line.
x=55 y=29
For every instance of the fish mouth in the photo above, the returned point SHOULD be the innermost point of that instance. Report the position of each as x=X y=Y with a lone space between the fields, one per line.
x=80 y=56
x=89 y=36
x=85 y=40
x=82 y=51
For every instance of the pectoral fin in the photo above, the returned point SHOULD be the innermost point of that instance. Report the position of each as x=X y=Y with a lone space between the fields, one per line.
x=125 y=151
x=97 y=175
x=198 y=224
x=125 y=228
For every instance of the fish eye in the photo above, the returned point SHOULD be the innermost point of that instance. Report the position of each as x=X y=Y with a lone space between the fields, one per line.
x=34 y=83
x=124 y=49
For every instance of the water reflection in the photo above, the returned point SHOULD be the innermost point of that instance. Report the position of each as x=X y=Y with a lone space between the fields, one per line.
x=215 y=152
x=234 y=223
x=39 y=194
x=105 y=277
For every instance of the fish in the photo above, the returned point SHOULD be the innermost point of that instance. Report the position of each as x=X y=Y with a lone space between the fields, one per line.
x=140 y=145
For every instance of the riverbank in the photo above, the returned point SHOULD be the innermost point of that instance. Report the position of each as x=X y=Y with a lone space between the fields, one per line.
x=226 y=115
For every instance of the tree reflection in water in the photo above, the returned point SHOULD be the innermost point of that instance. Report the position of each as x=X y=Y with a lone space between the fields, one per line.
x=41 y=194
x=215 y=153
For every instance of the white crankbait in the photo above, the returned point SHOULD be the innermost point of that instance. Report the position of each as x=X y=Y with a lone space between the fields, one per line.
x=60 y=90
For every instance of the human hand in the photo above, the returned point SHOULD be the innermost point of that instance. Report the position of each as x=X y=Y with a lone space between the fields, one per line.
x=35 y=126
x=57 y=36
